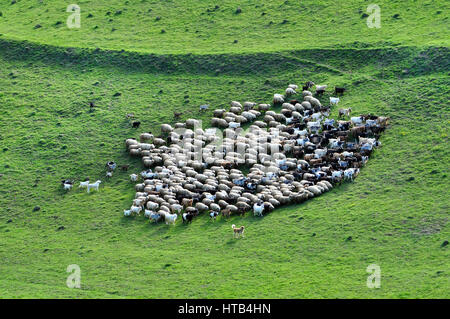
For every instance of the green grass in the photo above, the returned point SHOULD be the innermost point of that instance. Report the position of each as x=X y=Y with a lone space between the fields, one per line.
x=198 y=27
x=396 y=211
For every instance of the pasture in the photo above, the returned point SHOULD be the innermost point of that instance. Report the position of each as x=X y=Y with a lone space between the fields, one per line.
x=395 y=213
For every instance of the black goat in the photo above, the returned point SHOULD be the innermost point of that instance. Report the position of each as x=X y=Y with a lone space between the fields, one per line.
x=339 y=90
x=136 y=124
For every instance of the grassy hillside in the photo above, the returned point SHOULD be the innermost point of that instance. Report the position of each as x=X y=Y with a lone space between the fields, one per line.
x=210 y=26
x=395 y=214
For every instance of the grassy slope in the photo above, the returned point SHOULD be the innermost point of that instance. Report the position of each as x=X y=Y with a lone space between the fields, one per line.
x=396 y=211
x=203 y=29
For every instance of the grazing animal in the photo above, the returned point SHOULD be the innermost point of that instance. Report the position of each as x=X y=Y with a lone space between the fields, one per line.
x=108 y=174
x=147 y=213
x=334 y=100
x=290 y=91
x=383 y=121
x=234 y=125
x=124 y=167
x=342 y=163
x=356 y=119
x=258 y=209
x=127 y=213
x=339 y=90
x=111 y=166
x=136 y=209
x=226 y=212
x=187 y=217
x=129 y=115
x=155 y=217
x=149 y=174
x=364 y=159
x=237 y=232
x=345 y=112
x=366 y=147
x=93 y=186
x=213 y=215
x=204 y=107
x=350 y=172
x=176 y=115
x=84 y=184
x=358 y=130
x=152 y=205
x=171 y=218
x=308 y=85
x=320 y=89
x=320 y=92
x=134 y=177
x=136 y=124
x=336 y=175
x=176 y=208
x=187 y=202
x=278 y=98
x=67 y=186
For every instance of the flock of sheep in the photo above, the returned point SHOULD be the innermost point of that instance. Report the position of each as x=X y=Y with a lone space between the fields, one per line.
x=291 y=156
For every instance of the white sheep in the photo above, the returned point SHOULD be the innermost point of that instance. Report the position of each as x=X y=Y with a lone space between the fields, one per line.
x=278 y=98
x=235 y=104
x=290 y=91
x=134 y=177
x=152 y=205
x=264 y=107
x=176 y=208
x=166 y=128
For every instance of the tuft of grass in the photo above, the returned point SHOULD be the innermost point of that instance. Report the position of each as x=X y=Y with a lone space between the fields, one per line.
x=208 y=28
